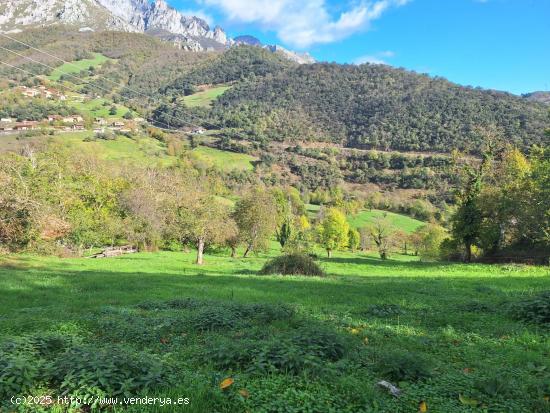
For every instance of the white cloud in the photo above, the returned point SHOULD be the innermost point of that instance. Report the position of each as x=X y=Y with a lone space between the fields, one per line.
x=302 y=23
x=377 y=58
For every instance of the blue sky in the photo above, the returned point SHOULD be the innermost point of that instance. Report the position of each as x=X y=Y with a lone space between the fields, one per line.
x=497 y=44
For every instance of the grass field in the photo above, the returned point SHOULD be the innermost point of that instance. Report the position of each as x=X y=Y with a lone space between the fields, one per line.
x=364 y=218
x=226 y=161
x=441 y=332
x=205 y=97
x=96 y=108
x=403 y=222
x=142 y=150
x=77 y=66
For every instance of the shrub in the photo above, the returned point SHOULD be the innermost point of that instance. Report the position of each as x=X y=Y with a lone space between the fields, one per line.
x=174 y=304
x=139 y=329
x=293 y=353
x=262 y=313
x=86 y=371
x=213 y=318
x=324 y=344
x=384 y=310
x=401 y=366
x=19 y=372
x=292 y=264
x=535 y=310
x=496 y=385
x=24 y=360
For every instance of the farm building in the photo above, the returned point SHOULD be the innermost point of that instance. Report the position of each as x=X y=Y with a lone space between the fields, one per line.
x=25 y=125
x=73 y=119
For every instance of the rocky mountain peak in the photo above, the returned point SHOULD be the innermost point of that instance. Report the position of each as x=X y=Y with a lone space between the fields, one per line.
x=155 y=17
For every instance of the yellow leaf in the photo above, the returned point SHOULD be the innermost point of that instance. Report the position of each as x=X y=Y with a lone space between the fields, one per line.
x=366 y=340
x=547 y=398
x=354 y=331
x=226 y=383
x=467 y=401
x=422 y=407
x=244 y=393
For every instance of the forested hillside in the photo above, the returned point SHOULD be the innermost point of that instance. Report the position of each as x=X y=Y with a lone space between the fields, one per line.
x=375 y=106
x=272 y=99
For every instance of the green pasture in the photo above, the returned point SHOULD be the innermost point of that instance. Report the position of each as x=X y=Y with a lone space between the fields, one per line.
x=226 y=161
x=77 y=66
x=441 y=332
x=402 y=222
x=205 y=98
x=99 y=108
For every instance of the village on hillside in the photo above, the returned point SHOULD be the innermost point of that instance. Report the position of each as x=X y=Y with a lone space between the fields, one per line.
x=56 y=122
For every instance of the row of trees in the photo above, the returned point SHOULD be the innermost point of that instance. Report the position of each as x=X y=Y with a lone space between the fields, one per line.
x=58 y=200
x=504 y=206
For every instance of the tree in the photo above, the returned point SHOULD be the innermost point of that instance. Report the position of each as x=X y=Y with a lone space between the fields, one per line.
x=468 y=218
x=128 y=115
x=382 y=231
x=204 y=220
x=113 y=110
x=333 y=231
x=428 y=239
x=145 y=220
x=354 y=239
x=289 y=207
x=256 y=218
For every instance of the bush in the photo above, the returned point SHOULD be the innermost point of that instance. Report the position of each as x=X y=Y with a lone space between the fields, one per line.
x=24 y=361
x=535 y=310
x=385 y=310
x=303 y=350
x=213 y=318
x=292 y=264
x=84 y=371
x=87 y=371
x=400 y=366
x=19 y=373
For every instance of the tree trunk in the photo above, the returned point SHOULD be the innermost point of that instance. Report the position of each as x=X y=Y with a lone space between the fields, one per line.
x=248 y=248
x=329 y=253
x=383 y=255
x=233 y=252
x=200 y=251
x=468 y=252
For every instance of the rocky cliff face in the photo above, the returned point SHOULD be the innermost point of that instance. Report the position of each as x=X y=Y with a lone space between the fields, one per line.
x=300 y=58
x=127 y=15
x=154 y=17
x=16 y=15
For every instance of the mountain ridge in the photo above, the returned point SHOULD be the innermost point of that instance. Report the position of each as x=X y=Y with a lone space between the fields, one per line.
x=154 y=17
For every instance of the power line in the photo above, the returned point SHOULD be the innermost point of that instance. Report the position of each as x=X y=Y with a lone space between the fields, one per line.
x=116 y=84
x=94 y=85
x=18 y=68
x=34 y=74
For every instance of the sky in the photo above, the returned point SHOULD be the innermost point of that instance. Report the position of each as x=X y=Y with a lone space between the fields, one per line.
x=494 y=44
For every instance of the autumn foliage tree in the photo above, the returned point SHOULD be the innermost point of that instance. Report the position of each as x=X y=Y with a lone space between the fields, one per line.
x=333 y=231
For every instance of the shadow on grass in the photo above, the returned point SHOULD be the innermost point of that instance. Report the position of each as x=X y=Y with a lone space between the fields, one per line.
x=389 y=263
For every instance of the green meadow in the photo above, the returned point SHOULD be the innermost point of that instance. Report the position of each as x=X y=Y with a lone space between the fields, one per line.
x=443 y=333
x=140 y=150
x=205 y=98
x=226 y=161
x=402 y=222
x=100 y=108
x=77 y=66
